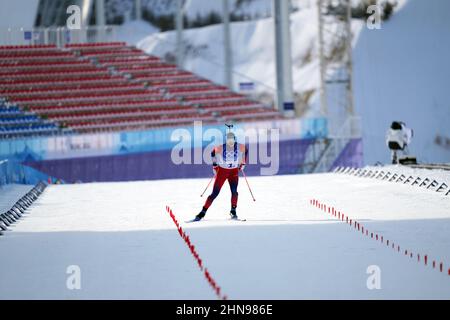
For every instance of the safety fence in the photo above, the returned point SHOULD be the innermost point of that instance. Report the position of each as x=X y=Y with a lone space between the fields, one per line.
x=12 y=171
x=59 y=36
x=284 y=158
x=194 y=253
x=157 y=139
x=385 y=175
x=19 y=208
x=425 y=259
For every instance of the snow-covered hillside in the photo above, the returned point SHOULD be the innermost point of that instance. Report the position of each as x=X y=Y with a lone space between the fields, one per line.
x=253 y=51
x=24 y=13
x=134 y=31
x=401 y=73
x=248 y=9
x=126 y=246
x=397 y=76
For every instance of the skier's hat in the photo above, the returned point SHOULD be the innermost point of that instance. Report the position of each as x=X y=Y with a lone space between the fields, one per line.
x=231 y=135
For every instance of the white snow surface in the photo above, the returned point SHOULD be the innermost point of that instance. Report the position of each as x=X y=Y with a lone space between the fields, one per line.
x=126 y=245
x=134 y=31
x=17 y=13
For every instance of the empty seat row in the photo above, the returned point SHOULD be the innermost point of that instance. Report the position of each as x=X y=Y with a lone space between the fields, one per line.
x=155 y=76
x=134 y=58
x=94 y=45
x=149 y=71
x=104 y=105
x=28 y=47
x=232 y=107
x=112 y=53
x=99 y=50
x=108 y=114
x=60 y=113
x=147 y=66
x=45 y=63
x=80 y=89
x=58 y=70
x=220 y=104
x=56 y=76
x=251 y=115
x=34 y=54
x=28 y=128
x=75 y=81
x=93 y=96
x=18 y=119
x=110 y=86
x=199 y=90
x=63 y=65
x=6 y=110
x=130 y=62
x=214 y=98
x=137 y=122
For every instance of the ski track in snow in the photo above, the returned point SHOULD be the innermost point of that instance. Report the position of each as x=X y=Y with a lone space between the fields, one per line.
x=127 y=247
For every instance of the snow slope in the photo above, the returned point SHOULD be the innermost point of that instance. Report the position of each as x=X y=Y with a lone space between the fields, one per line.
x=134 y=31
x=23 y=13
x=397 y=76
x=250 y=9
x=127 y=246
x=253 y=51
x=401 y=73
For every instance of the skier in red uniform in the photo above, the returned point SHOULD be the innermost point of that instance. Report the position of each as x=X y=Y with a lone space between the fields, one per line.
x=228 y=159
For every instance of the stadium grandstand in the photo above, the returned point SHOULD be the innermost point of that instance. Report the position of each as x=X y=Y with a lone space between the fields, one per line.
x=108 y=86
x=76 y=98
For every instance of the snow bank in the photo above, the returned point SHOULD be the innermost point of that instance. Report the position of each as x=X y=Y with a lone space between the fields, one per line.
x=401 y=73
x=396 y=76
x=18 y=13
x=134 y=31
x=253 y=51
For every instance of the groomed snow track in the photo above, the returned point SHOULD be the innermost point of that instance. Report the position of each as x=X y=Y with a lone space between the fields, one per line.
x=126 y=244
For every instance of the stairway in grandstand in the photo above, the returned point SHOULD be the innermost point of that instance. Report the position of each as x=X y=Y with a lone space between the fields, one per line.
x=108 y=86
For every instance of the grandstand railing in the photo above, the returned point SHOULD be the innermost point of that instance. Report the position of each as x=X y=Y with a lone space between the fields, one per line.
x=59 y=36
x=149 y=140
x=10 y=173
x=338 y=140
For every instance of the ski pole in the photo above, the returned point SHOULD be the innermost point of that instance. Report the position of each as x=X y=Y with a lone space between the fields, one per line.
x=207 y=185
x=245 y=177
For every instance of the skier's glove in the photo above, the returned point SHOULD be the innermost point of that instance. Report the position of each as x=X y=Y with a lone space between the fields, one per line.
x=242 y=167
x=215 y=168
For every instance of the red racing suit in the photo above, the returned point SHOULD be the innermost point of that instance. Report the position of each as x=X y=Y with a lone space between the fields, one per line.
x=227 y=164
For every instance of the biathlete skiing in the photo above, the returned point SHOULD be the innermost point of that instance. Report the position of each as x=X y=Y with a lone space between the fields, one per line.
x=228 y=159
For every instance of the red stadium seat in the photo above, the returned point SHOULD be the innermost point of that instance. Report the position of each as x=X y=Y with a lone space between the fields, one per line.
x=111 y=86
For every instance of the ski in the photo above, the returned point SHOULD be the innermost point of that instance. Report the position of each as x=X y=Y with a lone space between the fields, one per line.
x=231 y=219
